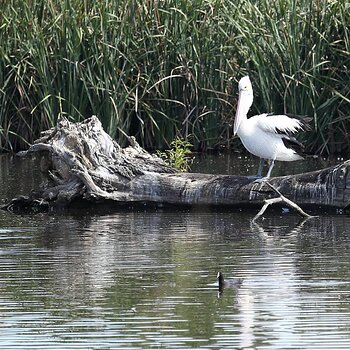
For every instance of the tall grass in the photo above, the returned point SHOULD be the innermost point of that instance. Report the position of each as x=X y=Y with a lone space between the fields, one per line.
x=159 y=69
x=299 y=53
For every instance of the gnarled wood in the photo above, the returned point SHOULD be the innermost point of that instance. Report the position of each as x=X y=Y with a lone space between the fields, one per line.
x=82 y=163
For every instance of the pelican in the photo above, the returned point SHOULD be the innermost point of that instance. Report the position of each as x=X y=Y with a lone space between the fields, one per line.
x=267 y=136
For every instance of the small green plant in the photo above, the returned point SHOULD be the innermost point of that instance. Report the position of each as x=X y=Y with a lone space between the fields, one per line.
x=178 y=156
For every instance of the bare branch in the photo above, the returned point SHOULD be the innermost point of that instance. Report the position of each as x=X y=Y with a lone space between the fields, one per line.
x=279 y=199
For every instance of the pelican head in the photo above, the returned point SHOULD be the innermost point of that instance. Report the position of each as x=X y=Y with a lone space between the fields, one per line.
x=245 y=85
x=245 y=100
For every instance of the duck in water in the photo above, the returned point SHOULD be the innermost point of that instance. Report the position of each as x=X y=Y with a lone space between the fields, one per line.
x=231 y=283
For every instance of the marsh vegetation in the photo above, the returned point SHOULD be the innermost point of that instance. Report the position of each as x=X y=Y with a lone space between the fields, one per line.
x=165 y=69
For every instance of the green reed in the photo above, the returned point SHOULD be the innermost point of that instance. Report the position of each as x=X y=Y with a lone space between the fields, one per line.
x=169 y=68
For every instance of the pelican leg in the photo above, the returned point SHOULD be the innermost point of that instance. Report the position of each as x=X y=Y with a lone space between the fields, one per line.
x=261 y=167
x=272 y=163
x=266 y=178
x=258 y=176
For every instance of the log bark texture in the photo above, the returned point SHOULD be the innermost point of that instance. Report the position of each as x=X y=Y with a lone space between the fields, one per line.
x=82 y=164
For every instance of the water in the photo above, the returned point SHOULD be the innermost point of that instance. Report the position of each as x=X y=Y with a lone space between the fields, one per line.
x=147 y=279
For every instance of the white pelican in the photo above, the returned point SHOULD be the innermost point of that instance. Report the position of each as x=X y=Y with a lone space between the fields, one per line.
x=267 y=136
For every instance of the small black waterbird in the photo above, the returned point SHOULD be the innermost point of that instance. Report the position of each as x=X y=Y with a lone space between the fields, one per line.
x=231 y=283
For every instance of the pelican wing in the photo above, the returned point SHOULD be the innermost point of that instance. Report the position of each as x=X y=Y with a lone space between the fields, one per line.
x=282 y=124
x=292 y=143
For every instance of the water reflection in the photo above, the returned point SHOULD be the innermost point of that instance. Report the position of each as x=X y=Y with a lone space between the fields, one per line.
x=145 y=278
x=134 y=280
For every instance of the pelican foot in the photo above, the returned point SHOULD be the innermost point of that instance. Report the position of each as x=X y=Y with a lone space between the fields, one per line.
x=254 y=177
x=262 y=179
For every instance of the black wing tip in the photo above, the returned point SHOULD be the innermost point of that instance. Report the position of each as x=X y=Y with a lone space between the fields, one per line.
x=294 y=144
x=305 y=119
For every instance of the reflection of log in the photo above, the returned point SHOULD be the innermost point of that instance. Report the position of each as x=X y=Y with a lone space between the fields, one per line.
x=83 y=164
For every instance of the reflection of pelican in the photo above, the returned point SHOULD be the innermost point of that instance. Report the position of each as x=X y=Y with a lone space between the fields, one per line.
x=231 y=283
x=267 y=136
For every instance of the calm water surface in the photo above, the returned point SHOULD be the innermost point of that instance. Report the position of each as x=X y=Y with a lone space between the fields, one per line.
x=143 y=280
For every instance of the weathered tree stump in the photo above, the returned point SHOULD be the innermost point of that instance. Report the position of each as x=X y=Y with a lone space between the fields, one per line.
x=82 y=164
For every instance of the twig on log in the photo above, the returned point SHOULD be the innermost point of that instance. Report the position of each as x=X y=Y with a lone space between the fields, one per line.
x=280 y=199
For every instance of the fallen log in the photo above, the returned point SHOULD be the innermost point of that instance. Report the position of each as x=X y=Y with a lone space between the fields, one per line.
x=83 y=165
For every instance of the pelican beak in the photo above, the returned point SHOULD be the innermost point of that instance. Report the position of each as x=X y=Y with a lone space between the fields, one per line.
x=238 y=117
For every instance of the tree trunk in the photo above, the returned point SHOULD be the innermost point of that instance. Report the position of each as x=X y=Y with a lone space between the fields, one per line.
x=82 y=164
